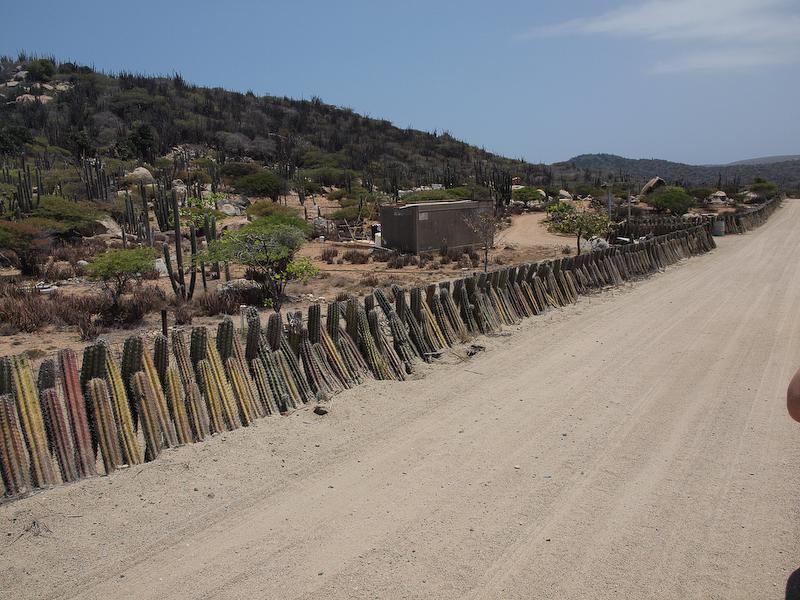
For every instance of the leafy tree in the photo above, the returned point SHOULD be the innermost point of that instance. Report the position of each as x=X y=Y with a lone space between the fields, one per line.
x=263 y=183
x=197 y=209
x=13 y=139
x=582 y=224
x=40 y=70
x=267 y=247
x=763 y=188
x=485 y=225
x=527 y=194
x=28 y=243
x=701 y=193
x=234 y=170
x=671 y=198
x=116 y=268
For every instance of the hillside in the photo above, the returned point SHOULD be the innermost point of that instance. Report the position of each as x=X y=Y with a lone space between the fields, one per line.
x=55 y=111
x=785 y=173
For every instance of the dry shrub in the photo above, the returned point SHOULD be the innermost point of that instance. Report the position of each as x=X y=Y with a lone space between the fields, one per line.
x=382 y=255
x=398 y=261
x=355 y=257
x=328 y=254
x=213 y=303
x=144 y=299
x=23 y=311
x=464 y=262
x=370 y=280
x=184 y=313
x=57 y=271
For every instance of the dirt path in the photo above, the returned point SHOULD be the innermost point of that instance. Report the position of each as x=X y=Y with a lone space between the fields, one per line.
x=633 y=446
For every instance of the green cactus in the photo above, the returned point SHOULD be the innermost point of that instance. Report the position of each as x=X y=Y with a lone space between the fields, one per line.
x=227 y=400
x=210 y=392
x=162 y=412
x=47 y=374
x=264 y=389
x=14 y=462
x=59 y=433
x=332 y=321
x=199 y=344
x=76 y=409
x=30 y=414
x=145 y=397
x=253 y=335
x=274 y=331
x=314 y=322
x=161 y=357
x=106 y=429
x=129 y=443
x=176 y=402
x=225 y=335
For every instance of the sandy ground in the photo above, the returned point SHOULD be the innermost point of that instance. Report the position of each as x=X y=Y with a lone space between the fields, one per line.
x=635 y=445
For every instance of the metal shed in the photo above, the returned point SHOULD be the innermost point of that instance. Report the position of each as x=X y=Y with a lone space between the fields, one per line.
x=431 y=225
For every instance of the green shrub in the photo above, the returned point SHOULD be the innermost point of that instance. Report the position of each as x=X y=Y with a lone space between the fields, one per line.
x=116 y=268
x=527 y=194
x=234 y=170
x=671 y=198
x=268 y=208
x=264 y=183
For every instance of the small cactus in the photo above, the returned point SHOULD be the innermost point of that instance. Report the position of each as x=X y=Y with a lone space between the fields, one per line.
x=76 y=409
x=145 y=397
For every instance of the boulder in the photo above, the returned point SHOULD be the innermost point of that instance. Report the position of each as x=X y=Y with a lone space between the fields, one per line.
x=140 y=174
x=652 y=185
x=20 y=75
x=564 y=195
x=230 y=210
x=109 y=226
x=161 y=267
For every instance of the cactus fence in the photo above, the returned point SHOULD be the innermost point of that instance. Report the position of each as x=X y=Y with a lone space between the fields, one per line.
x=64 y=423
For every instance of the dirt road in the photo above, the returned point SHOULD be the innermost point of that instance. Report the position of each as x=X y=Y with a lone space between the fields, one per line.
x=633 y=446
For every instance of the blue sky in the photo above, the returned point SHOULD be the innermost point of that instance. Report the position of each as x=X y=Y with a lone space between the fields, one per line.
x=698 y=81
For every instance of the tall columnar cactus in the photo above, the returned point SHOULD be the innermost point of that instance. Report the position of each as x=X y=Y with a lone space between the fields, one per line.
x=241 y=391
x=76 y=409
x=264 y=388
x=199 y=344
x=121 y=403
x=108 y=438
x=6 y=381
x=296 y=373
x=32 y=423
x=145 y=397
x=47 y=374
x=369 y=350
x=351 y=319
x=396 y=366
x=132 y=356
x=209 y=390
x=295 y=397
x=238 y=355
x=182 y=361
x=274 y=331
x=227 y=400
x=164 y=420
x=336 y=361
x=177 y=402
x=332 y=321
x=314 y=322
x=253 y=335
x=277 y=383
x=225 y=335
x=14 y=462
x=161 y=357
x=294 y=328
x=59 y=432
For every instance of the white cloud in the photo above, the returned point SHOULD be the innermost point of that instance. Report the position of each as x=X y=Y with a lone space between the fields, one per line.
x=724 y=34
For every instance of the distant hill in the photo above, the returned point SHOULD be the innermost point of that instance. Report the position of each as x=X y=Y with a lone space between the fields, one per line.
x=53 y=111
x=767 y=160
x=786 y=173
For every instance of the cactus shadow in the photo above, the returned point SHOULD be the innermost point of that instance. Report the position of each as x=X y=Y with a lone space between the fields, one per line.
x=793 y=586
